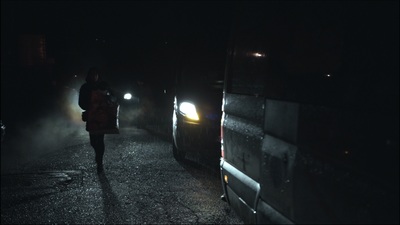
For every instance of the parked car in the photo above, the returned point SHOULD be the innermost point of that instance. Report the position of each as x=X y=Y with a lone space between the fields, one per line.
x=310 y=125
x=198 y=89
x=196 y=122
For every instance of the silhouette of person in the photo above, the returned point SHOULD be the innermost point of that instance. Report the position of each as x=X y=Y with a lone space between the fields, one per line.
x=89 y=101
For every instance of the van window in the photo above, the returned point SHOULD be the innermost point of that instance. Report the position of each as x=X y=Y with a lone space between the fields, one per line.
x=284 y=54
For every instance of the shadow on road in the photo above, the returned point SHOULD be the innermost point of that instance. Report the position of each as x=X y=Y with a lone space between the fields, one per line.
x=113 y=211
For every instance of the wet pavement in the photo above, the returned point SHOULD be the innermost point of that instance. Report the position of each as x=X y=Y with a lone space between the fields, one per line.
x=142 y=183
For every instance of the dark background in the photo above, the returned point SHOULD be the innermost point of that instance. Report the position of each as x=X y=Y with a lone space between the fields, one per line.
x=131 y=42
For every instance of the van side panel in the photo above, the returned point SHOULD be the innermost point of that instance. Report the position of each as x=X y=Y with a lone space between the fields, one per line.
x=279 y=155
x=311 y=113
x=268 y=215
x=241 y=191
x=340 y=174
x=242 y=131
x=318 y=166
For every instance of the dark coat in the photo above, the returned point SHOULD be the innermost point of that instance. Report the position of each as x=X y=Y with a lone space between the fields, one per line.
x=86 y=91
x=101 y=115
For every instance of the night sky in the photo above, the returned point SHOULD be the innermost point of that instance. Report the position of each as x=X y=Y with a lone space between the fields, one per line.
x=120 y=36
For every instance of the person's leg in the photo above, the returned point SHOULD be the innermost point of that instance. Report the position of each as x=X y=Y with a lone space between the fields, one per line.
x=97 y=142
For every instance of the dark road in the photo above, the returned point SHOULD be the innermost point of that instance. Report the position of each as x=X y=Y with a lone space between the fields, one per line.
x=142 y=183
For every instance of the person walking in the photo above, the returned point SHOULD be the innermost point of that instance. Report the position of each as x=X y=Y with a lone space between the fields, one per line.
x=101 y=113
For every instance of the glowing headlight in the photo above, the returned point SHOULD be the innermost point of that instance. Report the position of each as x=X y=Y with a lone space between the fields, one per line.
x=127 y=96
x=188 y=110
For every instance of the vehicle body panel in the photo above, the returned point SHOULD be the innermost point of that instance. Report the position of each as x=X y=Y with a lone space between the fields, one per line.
x=310 y=124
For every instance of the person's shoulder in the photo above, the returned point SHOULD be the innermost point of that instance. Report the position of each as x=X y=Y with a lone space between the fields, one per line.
x=85 y=86
x=103 y=84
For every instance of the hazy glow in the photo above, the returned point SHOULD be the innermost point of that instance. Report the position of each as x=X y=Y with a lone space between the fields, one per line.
x=69 y=100
x=188 y=110
x=127 y=96
x=258 y=55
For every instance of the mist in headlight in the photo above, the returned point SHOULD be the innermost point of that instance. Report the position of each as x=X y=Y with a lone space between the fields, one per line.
x=69 y=99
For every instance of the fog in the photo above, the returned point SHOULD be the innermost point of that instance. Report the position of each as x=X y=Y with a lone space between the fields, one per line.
x=35 y=136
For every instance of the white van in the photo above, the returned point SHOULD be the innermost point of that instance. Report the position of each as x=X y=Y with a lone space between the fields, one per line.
x=310 y=124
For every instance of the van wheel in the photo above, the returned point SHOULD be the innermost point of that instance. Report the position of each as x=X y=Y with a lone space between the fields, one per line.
x=178 y=155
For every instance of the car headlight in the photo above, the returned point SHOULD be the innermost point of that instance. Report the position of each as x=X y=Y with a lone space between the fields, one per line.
x=127 y=96
x=188 y=110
